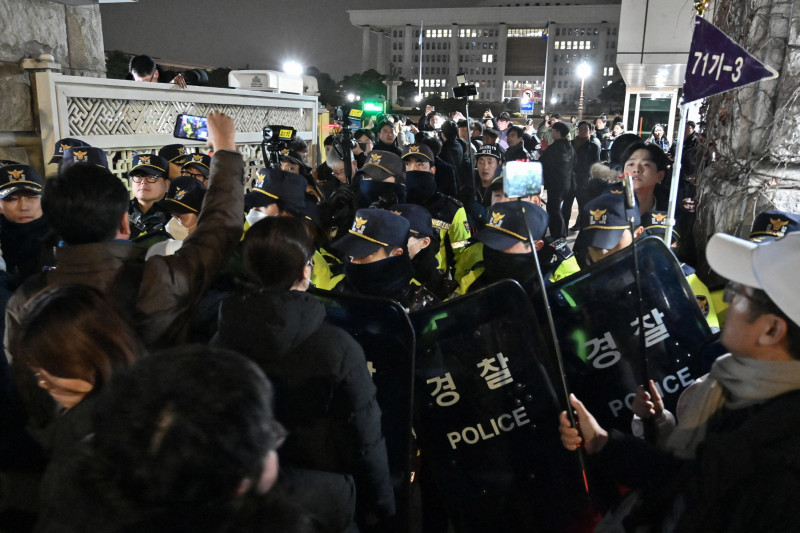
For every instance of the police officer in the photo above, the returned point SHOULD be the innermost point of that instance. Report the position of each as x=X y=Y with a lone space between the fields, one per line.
x=504 y=250
x=176 y=155
x=488 y=166
x=376 y=260
x=447 y=213
x=280 y=193
x=148 y=220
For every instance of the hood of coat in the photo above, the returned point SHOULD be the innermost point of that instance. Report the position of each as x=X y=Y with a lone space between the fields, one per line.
x=269 y=322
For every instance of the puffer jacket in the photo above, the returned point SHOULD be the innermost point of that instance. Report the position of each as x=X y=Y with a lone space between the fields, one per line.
x=324 y=393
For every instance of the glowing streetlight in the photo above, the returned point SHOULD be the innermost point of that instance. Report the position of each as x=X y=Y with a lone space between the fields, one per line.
x=583 y=71
x=553 y=100
x=351 y=97
x=293 y=67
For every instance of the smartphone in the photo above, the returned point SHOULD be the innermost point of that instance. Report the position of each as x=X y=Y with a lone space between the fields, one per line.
x=191 y=127
x=522 y=178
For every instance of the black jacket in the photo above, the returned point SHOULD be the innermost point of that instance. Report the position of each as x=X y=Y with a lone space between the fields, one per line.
x=393 y=148
x=585 y=156
x=746 y=476
x=324 y=393
x=557 y=164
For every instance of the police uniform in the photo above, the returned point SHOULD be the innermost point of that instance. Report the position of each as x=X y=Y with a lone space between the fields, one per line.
x=767 y=226
x=505 y=228
x=148 y=228
x=448 y=215
x=391 y=277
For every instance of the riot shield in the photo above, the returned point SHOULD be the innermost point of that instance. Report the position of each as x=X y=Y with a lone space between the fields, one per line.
x=597 y=321
x=383 y=330
x=486 y=415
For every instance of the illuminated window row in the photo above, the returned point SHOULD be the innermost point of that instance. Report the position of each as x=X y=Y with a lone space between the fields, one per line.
x=472 y=32
x=574 y=45
x=437 y=34
x=525 y=32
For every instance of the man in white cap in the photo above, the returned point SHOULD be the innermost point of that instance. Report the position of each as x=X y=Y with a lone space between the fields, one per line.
x=732 y=463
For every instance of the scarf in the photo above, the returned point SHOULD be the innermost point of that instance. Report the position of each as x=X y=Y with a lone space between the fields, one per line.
x=734 y=383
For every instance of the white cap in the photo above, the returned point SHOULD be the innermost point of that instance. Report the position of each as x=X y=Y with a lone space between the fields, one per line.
x=771 y=266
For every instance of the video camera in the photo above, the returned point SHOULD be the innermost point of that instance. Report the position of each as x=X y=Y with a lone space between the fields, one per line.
x=275 y=139
x=349 y=120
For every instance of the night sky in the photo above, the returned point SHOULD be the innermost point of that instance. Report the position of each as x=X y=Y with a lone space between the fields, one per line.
x=238 y=33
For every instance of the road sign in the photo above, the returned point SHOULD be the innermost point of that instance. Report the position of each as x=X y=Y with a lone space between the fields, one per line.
x=526 y=108
x=527 y=96
x=717 y=64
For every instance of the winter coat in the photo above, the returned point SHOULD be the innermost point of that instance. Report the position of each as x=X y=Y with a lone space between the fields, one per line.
x=557 y=164
x=324 y=392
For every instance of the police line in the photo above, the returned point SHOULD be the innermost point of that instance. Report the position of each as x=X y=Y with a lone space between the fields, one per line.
x=484 y=407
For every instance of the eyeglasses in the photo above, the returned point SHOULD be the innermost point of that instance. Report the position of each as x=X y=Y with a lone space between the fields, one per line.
x=148 y=179
x=732 y=289
x=196 y=175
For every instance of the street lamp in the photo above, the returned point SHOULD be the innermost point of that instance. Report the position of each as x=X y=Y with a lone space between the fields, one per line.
x=583 y=71
x=293 y=67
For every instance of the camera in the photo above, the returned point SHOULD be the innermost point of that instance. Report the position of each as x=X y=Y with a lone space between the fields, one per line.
x=276 y=139
x=349 y=120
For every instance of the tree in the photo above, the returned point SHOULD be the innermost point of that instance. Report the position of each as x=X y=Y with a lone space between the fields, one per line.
x=368 y=84
x=614 y=93
x=117 y=64
x=328 y=93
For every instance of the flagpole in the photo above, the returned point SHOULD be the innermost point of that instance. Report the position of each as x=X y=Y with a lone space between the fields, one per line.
x=676 y=176
x=546 y=63
x=419 y=83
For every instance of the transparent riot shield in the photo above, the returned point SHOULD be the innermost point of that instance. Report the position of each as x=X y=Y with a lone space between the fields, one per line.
x=597 y=321
x=486 y=415
x=383 y=330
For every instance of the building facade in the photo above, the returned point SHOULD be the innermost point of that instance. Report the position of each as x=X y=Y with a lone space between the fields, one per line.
x=503 y=49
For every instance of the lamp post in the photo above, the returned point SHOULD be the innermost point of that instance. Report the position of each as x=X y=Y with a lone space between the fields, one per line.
x=583 y=71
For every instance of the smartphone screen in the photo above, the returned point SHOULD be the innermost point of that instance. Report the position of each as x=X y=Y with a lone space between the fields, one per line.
x=522 y=178
x=191 y=127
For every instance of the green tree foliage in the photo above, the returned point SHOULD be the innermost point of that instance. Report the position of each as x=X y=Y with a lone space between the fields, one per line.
x=614 y=93
x=368 y=84
x=117 y=64
x=326 y=85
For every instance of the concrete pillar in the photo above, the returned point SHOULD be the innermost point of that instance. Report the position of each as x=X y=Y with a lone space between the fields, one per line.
x=68 y=36
x=380 y=61
x=452 y=65
x=502 y=37
x=365 y=48
x=408 y=52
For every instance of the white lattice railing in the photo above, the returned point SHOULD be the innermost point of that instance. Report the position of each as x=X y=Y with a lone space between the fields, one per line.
x=123 y=116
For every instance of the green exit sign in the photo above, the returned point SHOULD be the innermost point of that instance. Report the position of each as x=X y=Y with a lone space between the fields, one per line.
x=373 y=107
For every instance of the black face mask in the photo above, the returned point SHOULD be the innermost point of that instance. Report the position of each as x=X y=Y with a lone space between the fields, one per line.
x=380 y=193
x=420 y=186
x=425 y=263
x=388 y=278
x=500 y=265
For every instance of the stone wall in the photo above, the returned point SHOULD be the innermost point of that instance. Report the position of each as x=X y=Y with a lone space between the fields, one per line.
x=752 y=132
x=73 y=35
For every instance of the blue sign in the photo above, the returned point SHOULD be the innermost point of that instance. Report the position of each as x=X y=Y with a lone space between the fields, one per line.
x=717 y=64
x=526 y=108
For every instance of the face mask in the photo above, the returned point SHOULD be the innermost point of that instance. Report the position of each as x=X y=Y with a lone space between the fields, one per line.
x=381 y=193
x=388 y=277
x=420 y=186
x=176 y=229
x=254 y=215
x=500 y=265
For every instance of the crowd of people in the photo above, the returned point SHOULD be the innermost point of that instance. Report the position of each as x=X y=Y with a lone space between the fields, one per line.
x=211 y=275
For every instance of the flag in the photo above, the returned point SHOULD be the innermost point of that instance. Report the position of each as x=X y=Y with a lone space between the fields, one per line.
x=717 y=64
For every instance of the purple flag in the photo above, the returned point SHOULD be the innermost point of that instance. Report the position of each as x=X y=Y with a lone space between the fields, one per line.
x=717 y=64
